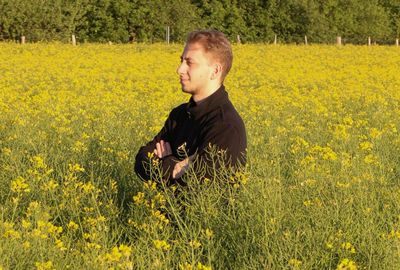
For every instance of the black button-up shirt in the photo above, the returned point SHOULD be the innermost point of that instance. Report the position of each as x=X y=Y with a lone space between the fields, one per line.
x=192 y=128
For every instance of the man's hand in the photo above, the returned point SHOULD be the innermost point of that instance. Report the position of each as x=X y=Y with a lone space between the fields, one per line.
x=163 y=149
x=181 y=167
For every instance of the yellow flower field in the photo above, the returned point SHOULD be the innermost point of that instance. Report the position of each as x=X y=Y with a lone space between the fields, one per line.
x=321 y=189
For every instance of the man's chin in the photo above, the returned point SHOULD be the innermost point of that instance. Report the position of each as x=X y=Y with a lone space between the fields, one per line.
x=186 y=90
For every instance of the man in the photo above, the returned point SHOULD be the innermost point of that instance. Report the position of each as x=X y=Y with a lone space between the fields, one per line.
x=208 y=119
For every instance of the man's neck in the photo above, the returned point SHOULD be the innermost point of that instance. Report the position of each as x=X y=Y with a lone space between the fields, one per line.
x=205 y=94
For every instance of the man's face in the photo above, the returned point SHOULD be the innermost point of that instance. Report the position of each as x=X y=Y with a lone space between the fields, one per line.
x=196 y=69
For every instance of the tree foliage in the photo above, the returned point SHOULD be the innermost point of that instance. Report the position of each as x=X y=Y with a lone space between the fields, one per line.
x=253 y=20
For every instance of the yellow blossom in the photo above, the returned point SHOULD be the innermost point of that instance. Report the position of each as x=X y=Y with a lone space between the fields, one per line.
x=38 y=162
x=150 y=185
x=370 y=159
x=60 y=245
x=195 y=244
x=209 y=233
x=51 y=185
x=114 y=256
x=26 y=245
x=19 y=185
x=161 y=244
x=26 y=224
x=375 y=133
x=200 y=266
x=94 y=246
x=307 y=203
x=366 y=146
x=138 y=198
x=348 y=246
x=347 y=264
x=72 y=225
x=44 y=265
x=75 y=168
x=125 y=250
x=294 y=263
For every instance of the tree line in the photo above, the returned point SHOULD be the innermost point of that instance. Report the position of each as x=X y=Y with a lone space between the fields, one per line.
x=253 y=20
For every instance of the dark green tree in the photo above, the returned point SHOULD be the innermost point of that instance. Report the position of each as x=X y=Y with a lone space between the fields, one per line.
x=253 y=20
x=258 y=20
x=392 y=8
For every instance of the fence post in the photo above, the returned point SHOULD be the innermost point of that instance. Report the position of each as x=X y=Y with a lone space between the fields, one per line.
x=369 y=41
x=275 y=40
x=23 y=40
x=339 y=40
x=397 y=42
x=167 y=34
x=73 y=40
x=238 y=39
x=305 y=40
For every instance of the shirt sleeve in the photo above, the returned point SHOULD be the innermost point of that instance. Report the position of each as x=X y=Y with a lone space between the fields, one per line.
x=142 y=160
x=222 y=146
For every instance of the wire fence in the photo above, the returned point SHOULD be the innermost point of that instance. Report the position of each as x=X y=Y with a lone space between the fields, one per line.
x=339 y=40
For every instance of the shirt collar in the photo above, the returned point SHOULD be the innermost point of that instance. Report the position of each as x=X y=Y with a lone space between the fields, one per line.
x=210 y=103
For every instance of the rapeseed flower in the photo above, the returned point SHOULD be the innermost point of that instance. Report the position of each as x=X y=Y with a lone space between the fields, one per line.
x=295 y=263
x=209 y=233
x=346 y=264
x=366 y=146
x=20 y=185
x=44 y=265
x=138 y=198
x=198 y=266
x=348 y=246
x=370 y=159
x=194 y=244
x=161 y=245
x=150 y=185
x=75 y=168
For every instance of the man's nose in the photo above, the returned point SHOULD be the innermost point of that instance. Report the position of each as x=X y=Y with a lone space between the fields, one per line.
x=180 y=69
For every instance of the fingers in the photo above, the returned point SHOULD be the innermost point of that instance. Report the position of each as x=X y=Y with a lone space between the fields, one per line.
x=158 y=150
x=163 y=149
x=168 y=149
x=178 y=171
x=162 y=145
x=180 y=168
x=174 y=172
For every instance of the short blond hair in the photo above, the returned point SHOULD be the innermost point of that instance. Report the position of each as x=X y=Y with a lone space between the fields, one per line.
x=216 y=44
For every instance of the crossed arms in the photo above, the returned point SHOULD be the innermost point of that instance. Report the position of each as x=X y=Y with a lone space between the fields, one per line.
x=225 y=135
x=163 y=149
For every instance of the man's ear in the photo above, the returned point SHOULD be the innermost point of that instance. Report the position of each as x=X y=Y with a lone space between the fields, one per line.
x=216 y=71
